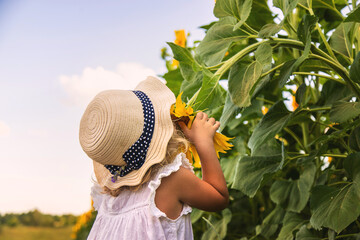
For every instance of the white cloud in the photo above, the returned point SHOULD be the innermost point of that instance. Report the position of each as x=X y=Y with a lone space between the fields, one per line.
x=81 y=89
x=4 y=129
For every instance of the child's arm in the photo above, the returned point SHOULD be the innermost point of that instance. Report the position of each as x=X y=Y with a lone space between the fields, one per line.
x=211 y=192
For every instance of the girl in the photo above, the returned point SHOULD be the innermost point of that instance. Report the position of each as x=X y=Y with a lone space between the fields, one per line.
x=145 y=186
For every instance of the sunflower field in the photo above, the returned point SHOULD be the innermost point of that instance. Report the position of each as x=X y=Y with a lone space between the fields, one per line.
x=286 y=87
x=283 y=78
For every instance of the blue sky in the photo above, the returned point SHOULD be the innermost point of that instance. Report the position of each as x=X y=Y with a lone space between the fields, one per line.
x=54 y=56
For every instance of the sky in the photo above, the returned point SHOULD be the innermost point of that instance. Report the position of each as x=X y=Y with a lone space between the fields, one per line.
x=54 y=57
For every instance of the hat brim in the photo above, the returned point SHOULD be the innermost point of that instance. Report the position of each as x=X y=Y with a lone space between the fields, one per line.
x=162 y=98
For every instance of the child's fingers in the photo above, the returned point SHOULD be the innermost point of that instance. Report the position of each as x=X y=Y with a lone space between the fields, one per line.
x=217 y=124
x=200 y=115
x=211 y=121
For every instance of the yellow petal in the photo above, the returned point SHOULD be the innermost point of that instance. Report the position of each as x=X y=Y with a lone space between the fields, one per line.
x=191 y=119
x=286 y=143
x=181 y=110
x=264 y=110
x=189 y=156
x=294 y=104
x=175 y=63
x=221 y=143
x=189 y=110
x=172 y=109
x=197 y=163
x=180 y=37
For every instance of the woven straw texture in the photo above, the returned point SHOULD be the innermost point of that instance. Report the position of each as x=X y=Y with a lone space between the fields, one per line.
x=112 y=123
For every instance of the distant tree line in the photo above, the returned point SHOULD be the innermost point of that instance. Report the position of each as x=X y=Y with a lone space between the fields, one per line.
x=37 y=219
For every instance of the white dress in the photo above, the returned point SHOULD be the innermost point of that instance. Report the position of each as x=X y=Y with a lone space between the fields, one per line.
x=134 y=215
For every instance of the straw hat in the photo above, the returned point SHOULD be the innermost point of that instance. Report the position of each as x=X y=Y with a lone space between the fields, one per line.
x=113 y=124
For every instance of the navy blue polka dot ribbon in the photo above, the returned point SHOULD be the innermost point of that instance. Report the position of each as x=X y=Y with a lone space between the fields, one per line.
x=135 y=156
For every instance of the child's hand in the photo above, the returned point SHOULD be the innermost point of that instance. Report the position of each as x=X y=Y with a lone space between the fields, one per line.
x=210 y=193
x=202 y=130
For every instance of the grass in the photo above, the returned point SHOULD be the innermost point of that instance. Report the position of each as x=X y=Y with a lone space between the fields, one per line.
x=35 y=233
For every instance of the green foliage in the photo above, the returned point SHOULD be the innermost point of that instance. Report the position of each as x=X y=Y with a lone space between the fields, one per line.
x=37 y=219
x=294 y=171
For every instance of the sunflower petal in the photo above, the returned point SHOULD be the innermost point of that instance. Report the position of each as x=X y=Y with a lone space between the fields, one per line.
x=191 y=119
x=221 y=143
x=197 y=163
x=172 y=109
x=180 y=109
x=189 y=156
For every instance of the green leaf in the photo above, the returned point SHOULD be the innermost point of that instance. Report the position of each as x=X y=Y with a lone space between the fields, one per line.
x=181 y=54
x=344 y=111
x=271 y=123
x=324 y=4
x=337 y=206
x=294 y=194
x=269 y=148
x=240 y=9
x=354 y=139
x=305 y=28
x=291 y=223
x=354 y=16
x=269 y=30
x=228 y=112
x=300 y=95
x=262 y=83
x=332 y=92
x=285 y=5
x=286 y=70
x=355 y=69
x=313 y=65
x=189 y=88
x=174 y=80
x=242 y=79
x=211 y=94
x=263 y=54
x=253 y=111
x=340 y=39
x=334 y=207
x=227 y=165
x=196 y=214
x=213 y=47
x=251 y=170
x=272 y=221
x=305 y=234
x=188 y=66
x=217 y=231
x=352 y=166
x=187 y=71
x=276 y=216
x=259 y=8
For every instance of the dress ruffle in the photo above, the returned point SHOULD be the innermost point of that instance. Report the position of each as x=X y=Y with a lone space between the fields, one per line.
x=180 y=160
x=96 y=196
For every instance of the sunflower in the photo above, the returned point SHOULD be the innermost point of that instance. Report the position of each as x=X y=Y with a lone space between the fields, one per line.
x=180 y=39
x=185 y=113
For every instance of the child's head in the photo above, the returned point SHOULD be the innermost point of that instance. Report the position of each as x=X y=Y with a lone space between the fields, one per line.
x=127 y=132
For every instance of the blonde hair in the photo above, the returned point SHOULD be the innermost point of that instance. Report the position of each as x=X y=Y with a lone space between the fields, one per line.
x=177 y=143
